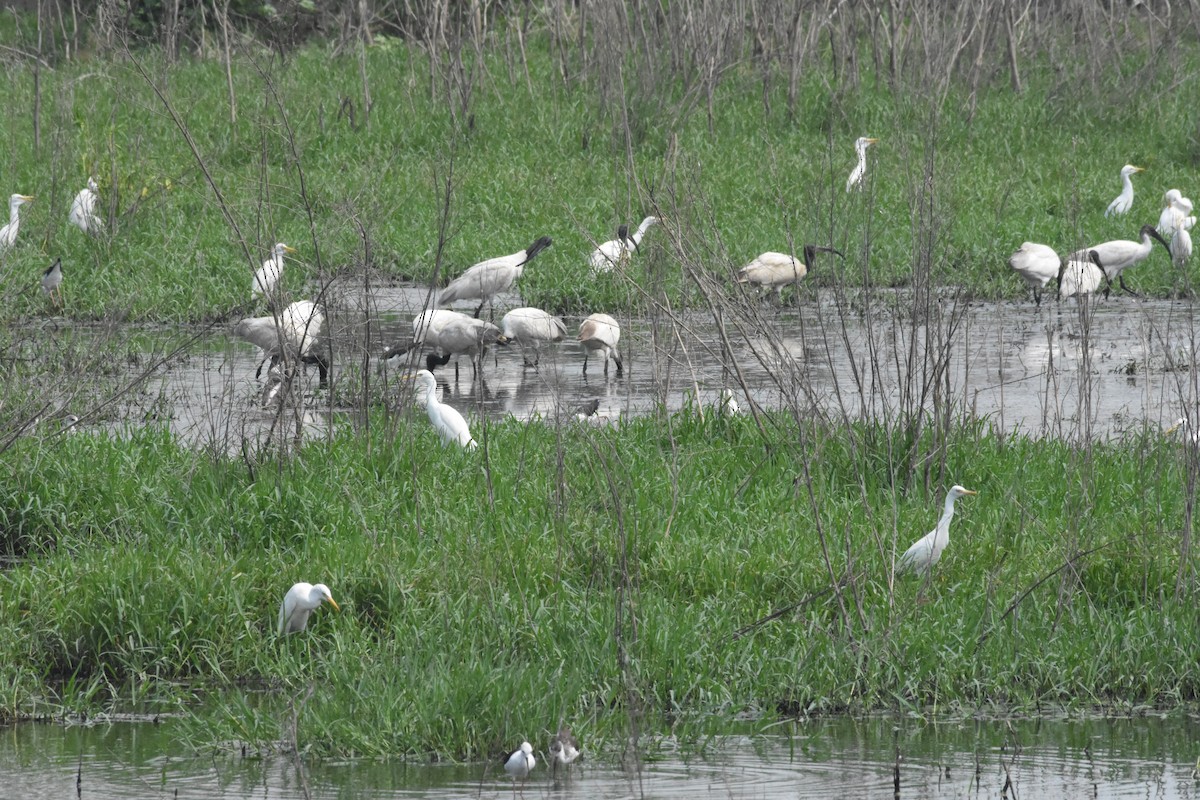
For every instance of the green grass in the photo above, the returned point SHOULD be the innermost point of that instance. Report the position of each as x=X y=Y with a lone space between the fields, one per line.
x=1041 y=166
x=487 y=596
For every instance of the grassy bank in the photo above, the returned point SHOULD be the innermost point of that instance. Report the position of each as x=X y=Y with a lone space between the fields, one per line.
x=956 y=183
x=589 y=575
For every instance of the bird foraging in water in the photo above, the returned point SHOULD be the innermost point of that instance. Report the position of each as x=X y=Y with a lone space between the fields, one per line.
x=1037 y=264
x=446 y=420
x=928 y=549
x=266 y=277
x=529 y=327
x=600 y=332
x=489 y=278
x=83 y=209
x=564 y=747
x=52 y=281
x=860 y=171
x=8 y=234
x=777 y=270
x=616 y=252
x=296 y=335
x=520 y=763
x=299 y=602
x=1081 y=277
x=1124 y=200
x=1121 y=254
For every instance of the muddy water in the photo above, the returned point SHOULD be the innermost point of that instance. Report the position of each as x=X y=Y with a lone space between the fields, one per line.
x=1114 y=758
x=1055 y=370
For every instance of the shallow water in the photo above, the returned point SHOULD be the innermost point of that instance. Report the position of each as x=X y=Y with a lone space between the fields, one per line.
x=1095 y=758
x=1048 y=371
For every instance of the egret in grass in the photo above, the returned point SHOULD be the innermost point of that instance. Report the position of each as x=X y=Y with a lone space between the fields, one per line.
x=777 y=270
x=1190 y=435
x=1121 y=254
x=83 y=209
x=1124 y=200
x=564 y=748
x=1166 y=218
x=446 y=420
x=1037 y=264
x=727 y=404
x=928 y=549
x=529 y=328
x=489 y=278
x=859 y=171
x=617 y=251
x=266 y=277
x=1080 y=277
x=52 y=281
x=8 y=234
x=520 y=763
x=296 y=333
x=299 y=602
x=602 y=333
x=1181 y=239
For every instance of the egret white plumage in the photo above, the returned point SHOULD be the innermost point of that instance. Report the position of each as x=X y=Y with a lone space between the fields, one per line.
x=489 y=278
x=521 y=762
x=564 y=747
x=1121 y=254
x=602 y=333
x=1190 y=435
x=52 y=281
x=446 y=420
x=1181 y=239
x=83 y=209
x=857 y=174
x=294 y=335
x=617 y=251
x=1166 y=218
x=8 y=234
x=727 y=404
x=1124 y=200
x=529 y=328
x=928 y=549
x=777 y=270
x=266 y=277
x=1037 y=264
x=299 y=602
x=1080 y=277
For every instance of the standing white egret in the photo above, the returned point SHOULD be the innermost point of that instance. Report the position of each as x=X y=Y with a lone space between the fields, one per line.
x=1121 y=254
x=448 y=423
x=1081 y=277
x=83 y=209
x=600 y=332
x=1181 y=239
x=1166 y=218
x=8 y=234
x=928 y=549
x=1190 y=435
x=299 y=602
x=529 y=327
x=489 y=278
x=727 y=404
x=1037 y=264
x=856 y=176
x=1124 y=200
x=777 y=270
x=564 y=747
x=266 y=277
x=520 y=763
x=296 y=335
x=52 y=281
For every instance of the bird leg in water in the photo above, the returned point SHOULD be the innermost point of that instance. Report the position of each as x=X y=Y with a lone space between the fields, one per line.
x=1124 y=288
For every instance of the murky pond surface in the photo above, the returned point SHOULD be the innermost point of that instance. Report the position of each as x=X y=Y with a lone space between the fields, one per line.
x=1116 y=758
x=1052 y=371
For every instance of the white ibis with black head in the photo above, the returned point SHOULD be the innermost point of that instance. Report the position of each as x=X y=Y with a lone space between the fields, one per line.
x=489 y=278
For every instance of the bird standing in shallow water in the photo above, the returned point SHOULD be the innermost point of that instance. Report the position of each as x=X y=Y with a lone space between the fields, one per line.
x=616 y=252
x=1037 y=264
x=777 y=270
x=564 y=748
x=299 y=602
x=1121 y=254
x=1080 y=277
x=600 y=332
x=856 y=176
x=446 y=420
x=529 y=327
x=489 y=278
x=266 y=278
x=520 y=764
x=921 y=557
x=1124 y=200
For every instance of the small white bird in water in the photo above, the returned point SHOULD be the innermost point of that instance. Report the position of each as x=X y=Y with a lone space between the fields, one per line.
x=727 y=404
x=1037 y=264
x=1190 y=435
x=564 y=747
x=83 y=209
x=856 y=176
x=928 y=549
x=446 y=420
x=266 y=278
x=8 y=234
x=1080 y=277
x=1124 y=200
x=529 y=327
x=299 y=602
x=600 y=332
x=52 y=281
x=520 y=763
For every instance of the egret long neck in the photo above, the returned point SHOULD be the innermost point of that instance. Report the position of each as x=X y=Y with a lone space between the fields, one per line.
x=14 y=213
x=943 y=526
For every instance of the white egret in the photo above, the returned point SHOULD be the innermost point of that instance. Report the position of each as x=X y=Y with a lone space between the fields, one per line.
x=448 y=423
x=1080 y=277
x=52 y=281
x=928 y=549
x=617 y=251
x=266 y=277
x=1125 y=198
x=83 y=209
x=521 y=762
x=564 y=747
x=1181 y=239
x=489 y=278
x=600 y=332
x=1037 y=264
x=856 y=176
x=529 y=327
x=777 y=270
x=727 y=404
x=1166 y=218
x=8 y=234
x=299 y=602
x=1121 y=254
x=1190 y=435
x=295 y=334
